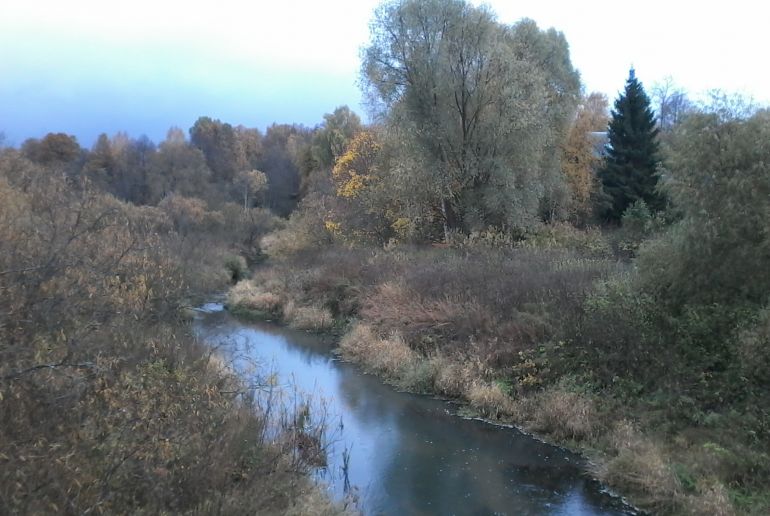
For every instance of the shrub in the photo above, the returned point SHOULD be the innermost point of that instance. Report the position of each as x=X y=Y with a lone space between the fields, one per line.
x=418 y=376
x=236 y=267
x=615 y=337
x=753 y=349
x=718 y=252
x=638 y=224
x=108 y=404
x=305 y=230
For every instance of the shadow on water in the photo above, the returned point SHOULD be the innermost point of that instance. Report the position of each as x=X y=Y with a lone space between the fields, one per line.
x=410 y=454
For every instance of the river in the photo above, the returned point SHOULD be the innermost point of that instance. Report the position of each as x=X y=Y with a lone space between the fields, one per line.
x=404 y=453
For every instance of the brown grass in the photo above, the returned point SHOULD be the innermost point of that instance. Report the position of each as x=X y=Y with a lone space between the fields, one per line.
x=247 y=295
x=564 y=414
x=476 y=324
x=453 y=379
x=712 y=499
x=489 y=400
x=640 y=467
x=388 y=357
x=311 y=318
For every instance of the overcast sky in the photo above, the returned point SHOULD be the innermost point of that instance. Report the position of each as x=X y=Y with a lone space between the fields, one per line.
x=86 y=67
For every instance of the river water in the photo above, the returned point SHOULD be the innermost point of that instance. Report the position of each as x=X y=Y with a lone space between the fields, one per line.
x=407 y=454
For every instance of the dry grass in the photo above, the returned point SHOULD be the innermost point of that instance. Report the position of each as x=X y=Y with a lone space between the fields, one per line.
x=388 y=357
x=489 y=399
x=564 y=414
x=313 y=318
x=454 y=322
x=452 y=378
x=712 y=499
x=269 y=293
x=640 y=467
x=247 y=295
x=313 y=501
x=393 y=304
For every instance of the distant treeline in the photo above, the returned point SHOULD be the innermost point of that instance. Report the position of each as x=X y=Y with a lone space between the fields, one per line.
x=204 y=164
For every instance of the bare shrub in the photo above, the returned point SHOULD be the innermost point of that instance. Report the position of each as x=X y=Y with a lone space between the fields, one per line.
x=304 y=231
x=394 y=306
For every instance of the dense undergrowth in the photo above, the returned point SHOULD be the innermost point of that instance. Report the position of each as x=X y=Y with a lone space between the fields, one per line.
x=554 y=335
x=646 y=344
x=108 y=404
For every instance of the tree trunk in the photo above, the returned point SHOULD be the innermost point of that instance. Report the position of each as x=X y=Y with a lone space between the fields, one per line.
x=446 y=223
x=450 y=218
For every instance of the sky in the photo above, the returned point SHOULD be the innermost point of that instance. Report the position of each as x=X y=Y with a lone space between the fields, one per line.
x=85 y=67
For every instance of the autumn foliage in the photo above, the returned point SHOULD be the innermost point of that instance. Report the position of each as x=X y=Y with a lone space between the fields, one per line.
x=108 y=405
x=357 y=166
x=581 y=155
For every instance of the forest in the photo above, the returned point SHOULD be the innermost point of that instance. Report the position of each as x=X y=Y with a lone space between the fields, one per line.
x=496 y=235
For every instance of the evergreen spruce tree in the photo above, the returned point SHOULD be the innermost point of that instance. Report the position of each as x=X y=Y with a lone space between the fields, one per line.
x=629 y=173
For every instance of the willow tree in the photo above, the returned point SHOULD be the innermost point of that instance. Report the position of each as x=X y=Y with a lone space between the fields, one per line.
x=332 y=137
x=482 y=106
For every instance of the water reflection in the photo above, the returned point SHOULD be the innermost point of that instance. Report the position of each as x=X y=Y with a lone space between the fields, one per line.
x=411 y=454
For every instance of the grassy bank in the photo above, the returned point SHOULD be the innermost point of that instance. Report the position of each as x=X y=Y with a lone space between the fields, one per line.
x=548 y=336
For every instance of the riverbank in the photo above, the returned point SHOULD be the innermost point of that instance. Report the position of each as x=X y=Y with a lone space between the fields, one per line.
x=401 y=453
x=108 y=403
x=505 y=331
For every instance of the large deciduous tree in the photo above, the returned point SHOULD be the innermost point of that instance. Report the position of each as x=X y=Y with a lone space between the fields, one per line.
x=100 y=164
x=629 y=173
x=55 y=149
x=480 y=106
x=331 y=139
x=177 y=168
x=220 y=144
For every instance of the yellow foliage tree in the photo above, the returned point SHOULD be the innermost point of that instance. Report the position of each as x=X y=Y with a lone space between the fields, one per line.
x=355 y=169
x=360 y=211
x=580 y=156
